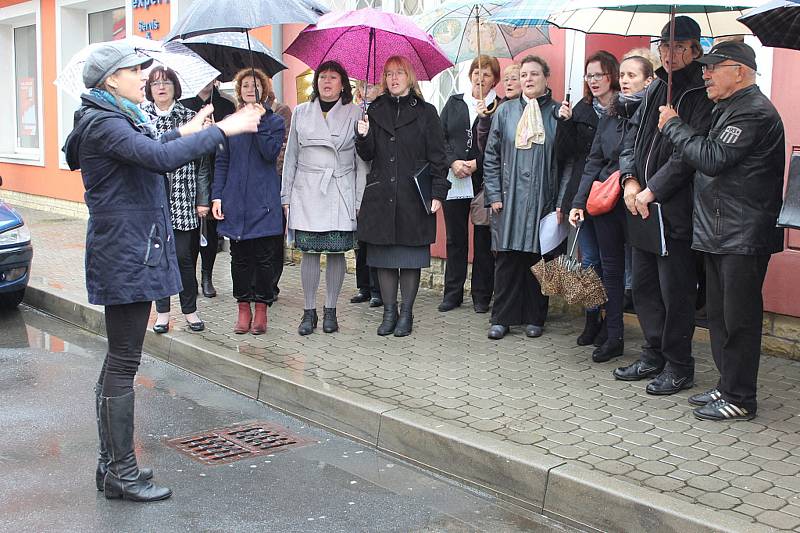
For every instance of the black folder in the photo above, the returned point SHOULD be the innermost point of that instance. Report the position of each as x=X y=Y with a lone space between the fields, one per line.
x=424 y=182
x=648 y=234
x=790 y=212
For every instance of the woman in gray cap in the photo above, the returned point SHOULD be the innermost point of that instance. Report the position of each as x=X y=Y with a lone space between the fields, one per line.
x=130 y=248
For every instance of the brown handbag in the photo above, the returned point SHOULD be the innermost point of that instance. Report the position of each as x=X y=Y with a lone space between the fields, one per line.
x=478 y=214
x=604 y=195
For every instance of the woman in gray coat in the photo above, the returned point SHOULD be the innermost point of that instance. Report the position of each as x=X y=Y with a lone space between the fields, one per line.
x=323 y=181
x=521 y=185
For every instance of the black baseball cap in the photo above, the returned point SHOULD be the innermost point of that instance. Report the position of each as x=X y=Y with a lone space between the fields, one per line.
x=730 y=50
x=686 y=29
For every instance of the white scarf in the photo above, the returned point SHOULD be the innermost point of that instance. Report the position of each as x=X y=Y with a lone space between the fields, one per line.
x=530 y=128
x=472 y=104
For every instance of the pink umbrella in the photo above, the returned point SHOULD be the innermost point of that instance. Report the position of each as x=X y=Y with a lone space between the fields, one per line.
x=363 y=39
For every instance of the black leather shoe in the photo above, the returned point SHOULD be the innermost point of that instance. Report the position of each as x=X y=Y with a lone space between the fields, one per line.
x=361 y=296
x=375 y=302
x=720 y=410
x=705 y=398
x=161 y=328
x=329 y=322
x=197 y=326
x=308 y=323
x=608 y=350
x=533 y=331
x=667 y=383
x=480 y=307
x=636 y=371
x=446 y=306
x=405 y=322
x=389 y=320
x=206 y=285
x=498 y=331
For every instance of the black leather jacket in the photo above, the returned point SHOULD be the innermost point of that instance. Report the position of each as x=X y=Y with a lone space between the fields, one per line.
x=649 y=156
x=739 y=180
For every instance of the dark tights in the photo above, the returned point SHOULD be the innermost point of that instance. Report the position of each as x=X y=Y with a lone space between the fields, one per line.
x=126 y=325
x=407 y=278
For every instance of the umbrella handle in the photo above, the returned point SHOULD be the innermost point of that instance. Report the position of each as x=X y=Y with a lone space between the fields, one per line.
x=671 y=49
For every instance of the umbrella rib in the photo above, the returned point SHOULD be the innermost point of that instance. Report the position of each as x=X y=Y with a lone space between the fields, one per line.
x=411 y=43
x=463 y=35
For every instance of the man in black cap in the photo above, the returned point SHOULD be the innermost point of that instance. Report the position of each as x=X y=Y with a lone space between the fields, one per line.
x=738 y=187
x=665 y=287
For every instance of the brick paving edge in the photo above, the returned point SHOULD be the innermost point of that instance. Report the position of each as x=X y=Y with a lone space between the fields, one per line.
x=541 y=483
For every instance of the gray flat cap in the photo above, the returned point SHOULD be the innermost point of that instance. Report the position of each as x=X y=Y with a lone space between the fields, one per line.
x=109 y=58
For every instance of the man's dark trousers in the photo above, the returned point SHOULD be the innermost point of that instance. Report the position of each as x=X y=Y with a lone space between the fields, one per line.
x=735 y=309
x=664 y=294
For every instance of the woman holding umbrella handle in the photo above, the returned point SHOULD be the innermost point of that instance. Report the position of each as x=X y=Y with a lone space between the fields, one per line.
x=130 y=248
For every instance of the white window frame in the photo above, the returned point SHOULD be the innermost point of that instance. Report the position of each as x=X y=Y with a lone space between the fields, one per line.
x=78 y=39
x=16 y=16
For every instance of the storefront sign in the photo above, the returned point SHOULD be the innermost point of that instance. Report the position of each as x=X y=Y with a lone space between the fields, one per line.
x=151 y=18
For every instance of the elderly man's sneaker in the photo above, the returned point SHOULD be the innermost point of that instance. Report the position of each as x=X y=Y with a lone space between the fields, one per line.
x=705 y=397
x=721 y=409
x=637 y=371
x=669 y=383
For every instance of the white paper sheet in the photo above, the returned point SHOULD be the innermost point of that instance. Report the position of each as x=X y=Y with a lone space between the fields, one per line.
x=461 y=188
x=551 y=233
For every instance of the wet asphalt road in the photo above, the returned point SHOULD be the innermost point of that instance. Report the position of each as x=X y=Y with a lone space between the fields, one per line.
x=48 y=454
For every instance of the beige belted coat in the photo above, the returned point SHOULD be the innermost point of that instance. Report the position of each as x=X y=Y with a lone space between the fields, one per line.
x=323 y=177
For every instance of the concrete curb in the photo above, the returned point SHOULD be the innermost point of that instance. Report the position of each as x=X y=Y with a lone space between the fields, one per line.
x=541 y=483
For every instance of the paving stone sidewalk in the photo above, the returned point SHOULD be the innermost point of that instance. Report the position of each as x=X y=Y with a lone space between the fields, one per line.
x=545 y=393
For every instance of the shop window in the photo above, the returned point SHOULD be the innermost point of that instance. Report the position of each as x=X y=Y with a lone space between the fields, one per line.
x=108 y=25
x=25 y=88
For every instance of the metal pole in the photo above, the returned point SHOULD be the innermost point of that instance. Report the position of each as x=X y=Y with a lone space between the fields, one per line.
x=671 y=49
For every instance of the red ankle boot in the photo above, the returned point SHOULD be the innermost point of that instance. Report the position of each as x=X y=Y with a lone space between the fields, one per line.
x=259 y=320
x=245 y=316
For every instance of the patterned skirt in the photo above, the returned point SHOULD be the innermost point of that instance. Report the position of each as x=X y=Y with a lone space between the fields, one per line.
x=330 y=242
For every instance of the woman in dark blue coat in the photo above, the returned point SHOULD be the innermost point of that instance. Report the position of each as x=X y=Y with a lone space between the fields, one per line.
x=246 y=199
x=130 y=249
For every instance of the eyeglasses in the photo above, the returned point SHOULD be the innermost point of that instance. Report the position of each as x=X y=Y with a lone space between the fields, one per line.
x=161 y=83
x=595 y=77
x=712 y=68
x=676 y=48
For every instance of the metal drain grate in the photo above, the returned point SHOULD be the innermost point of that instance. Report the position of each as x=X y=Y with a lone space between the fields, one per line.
x=242 y=441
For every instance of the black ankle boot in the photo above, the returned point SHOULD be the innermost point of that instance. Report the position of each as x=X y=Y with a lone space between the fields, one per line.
x=207 y=285
x=389 y=320
x=602 y=335
x=122 y=478
x=329 y=322
x=590 y=329
x=308 y=323
x=608 y=350
x=102 y=459
x=405 y=322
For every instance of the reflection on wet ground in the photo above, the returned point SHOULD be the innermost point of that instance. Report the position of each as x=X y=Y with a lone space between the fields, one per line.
x=47 y=453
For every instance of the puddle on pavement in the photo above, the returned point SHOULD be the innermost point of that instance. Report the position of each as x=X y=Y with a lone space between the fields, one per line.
x=16 y=333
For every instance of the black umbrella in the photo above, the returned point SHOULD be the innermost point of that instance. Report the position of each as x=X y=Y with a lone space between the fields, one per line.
x=775 y=24
x=229 y=52
x=217 y=16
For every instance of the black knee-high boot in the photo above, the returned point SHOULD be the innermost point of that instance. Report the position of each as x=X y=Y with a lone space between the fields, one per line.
x=102 y=458
x=122 y=478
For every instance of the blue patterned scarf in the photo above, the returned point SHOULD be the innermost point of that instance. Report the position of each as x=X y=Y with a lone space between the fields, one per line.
x=123 y=104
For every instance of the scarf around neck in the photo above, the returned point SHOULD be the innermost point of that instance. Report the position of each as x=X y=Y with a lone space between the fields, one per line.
x=530 y=128
x=127 y=107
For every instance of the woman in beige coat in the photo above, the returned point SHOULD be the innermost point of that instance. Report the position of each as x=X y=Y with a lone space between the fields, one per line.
x=323 y=181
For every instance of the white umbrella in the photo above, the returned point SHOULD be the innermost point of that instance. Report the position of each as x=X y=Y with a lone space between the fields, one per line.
x=192 y=71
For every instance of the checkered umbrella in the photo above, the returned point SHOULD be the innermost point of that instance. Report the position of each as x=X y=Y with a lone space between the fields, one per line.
x=526 y=13
x=776 y=24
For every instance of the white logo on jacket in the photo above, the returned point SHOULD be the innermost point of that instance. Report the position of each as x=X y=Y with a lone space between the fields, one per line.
x=730 y=135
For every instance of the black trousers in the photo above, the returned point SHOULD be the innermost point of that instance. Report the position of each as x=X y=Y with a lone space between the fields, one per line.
x=518 y=297
x=610 y=231
x=735 y=310
x=208 y=254
x=251 y=269
x=126 y=325
x=664 y=293
x=366 y=277
x=187 y=246
x=457 y=222
x=277 y=263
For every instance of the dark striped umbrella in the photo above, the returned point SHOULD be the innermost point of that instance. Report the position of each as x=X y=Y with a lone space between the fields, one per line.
x=776 y=23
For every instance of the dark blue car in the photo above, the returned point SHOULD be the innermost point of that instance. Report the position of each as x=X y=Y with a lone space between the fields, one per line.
x=16 y=254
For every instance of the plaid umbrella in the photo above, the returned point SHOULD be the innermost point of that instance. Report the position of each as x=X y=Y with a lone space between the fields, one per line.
x=525 y=13
x=776 y=23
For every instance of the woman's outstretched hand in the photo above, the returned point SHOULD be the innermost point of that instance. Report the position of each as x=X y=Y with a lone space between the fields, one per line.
x=243 y=121
x=198 y=123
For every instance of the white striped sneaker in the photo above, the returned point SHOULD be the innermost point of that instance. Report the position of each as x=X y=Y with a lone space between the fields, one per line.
x=723 y=410
x=705 y=397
